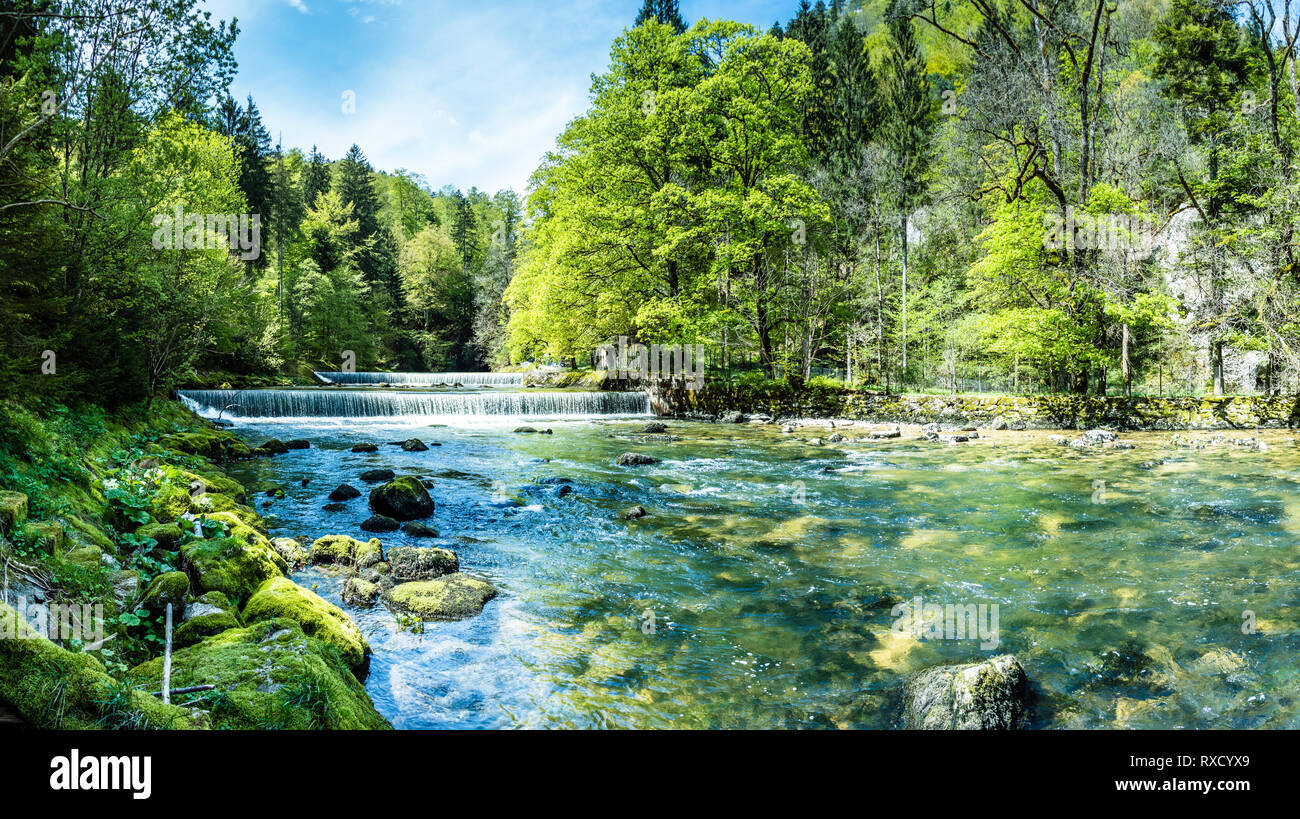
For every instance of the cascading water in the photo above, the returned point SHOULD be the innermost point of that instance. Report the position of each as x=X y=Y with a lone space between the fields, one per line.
x=424 y=379
x=325 y=403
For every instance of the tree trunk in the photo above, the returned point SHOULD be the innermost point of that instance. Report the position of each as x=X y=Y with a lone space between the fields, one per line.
x=1125 y=373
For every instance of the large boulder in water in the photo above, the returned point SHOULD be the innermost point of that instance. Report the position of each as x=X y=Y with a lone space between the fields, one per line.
x=414 y=445
x=636 y=459
x=413 y=563
x=345 y=492
x=378 y=475
x=404 y=498
x=979 y=696
x=451 y=597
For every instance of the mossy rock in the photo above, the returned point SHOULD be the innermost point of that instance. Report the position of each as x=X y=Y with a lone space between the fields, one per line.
x=292 y=551
x=411 y=563
x=199 y=628
x=452 y=597
x=213 y=482
x=50 y=535
x=85 y=533
x=166 y=535
x=210 y=443
x=50 y=687
x=170 y=587
x=281 y=597
x=231 y=566
x=86 y=557
x=346 y=551
x=250 y=532
x=401 y=499
x=360 y=593
x=270 y=675
x=13 y=511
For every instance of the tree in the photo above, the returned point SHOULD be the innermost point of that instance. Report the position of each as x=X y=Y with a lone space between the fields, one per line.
x=663 y=11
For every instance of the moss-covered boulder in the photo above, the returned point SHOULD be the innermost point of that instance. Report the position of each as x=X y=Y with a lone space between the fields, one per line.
x=51 y=687
x=13 y=511
x=345 y=551
x=169 y=587
x=368 y=554
x=166 y=535
x=83 y=532
x=270 y=675
x=452 y=597
x=203 y=626
x=85 y=557
x=210 y=443
x=240 y=527
x=281 y=597
x=49 y=535
x=292 y=551
x=410 y=563
x=360 y=593
x=978 y=696
x=231 y=566
x=403 y=498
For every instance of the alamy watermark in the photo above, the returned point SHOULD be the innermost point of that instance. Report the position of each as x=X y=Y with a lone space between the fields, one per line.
x=82 y=622
x=237 y=232
x=624 y=361
x=951 y=621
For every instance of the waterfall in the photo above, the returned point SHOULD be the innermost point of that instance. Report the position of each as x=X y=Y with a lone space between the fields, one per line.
x=425 y=379
x=326 y=403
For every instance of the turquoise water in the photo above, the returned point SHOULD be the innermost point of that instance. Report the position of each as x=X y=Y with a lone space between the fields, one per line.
x=770 y=567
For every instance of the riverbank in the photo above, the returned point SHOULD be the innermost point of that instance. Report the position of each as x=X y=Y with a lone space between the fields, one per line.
x=781 y=403
x=117 y=517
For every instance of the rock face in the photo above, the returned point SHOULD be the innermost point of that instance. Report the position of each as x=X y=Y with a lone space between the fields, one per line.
x=345 y=492
x=979 y=696
x=410 y=563
x=402 y=499
x=636 y=459
x=453 y=597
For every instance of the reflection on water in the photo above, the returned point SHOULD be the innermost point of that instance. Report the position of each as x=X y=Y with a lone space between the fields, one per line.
x=769 y=568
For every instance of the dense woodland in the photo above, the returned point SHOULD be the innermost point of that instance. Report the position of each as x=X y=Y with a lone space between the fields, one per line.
x=870 y=190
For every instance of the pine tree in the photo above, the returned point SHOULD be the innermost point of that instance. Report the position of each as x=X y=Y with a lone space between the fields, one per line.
x=253 y=149
x=316 y=178
x=378 y=257
x=665 y=11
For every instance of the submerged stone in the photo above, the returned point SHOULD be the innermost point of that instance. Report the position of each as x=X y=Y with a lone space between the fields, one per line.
x=636 y=459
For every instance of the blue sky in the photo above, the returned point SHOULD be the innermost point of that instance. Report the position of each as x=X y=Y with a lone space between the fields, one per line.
x=468 y=93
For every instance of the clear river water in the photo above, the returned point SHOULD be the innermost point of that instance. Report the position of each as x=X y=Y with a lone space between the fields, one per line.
x=1153 y=587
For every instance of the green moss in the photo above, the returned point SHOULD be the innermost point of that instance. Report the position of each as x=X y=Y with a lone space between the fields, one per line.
x=51 y=687
x=198 y=628
x=169 y=587
x=452 y=597
x=231 y=566
x=210 y=443
x=271 y=675
x=85 y=557
x=341 y=549
x=166 y=535
x=281 y=597
x=13 y=511
x=84 y=532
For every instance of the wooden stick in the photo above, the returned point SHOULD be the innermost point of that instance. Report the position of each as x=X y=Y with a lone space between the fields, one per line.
x=167 y=661
x=193 y=689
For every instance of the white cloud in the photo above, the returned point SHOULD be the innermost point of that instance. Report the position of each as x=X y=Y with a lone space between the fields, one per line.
x=299 y=5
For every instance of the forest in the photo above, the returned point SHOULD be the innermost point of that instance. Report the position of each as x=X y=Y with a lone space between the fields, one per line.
x=1076 y=196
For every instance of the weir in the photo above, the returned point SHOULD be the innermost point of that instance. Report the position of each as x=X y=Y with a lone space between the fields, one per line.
x=325 y=403
x=424 y=379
